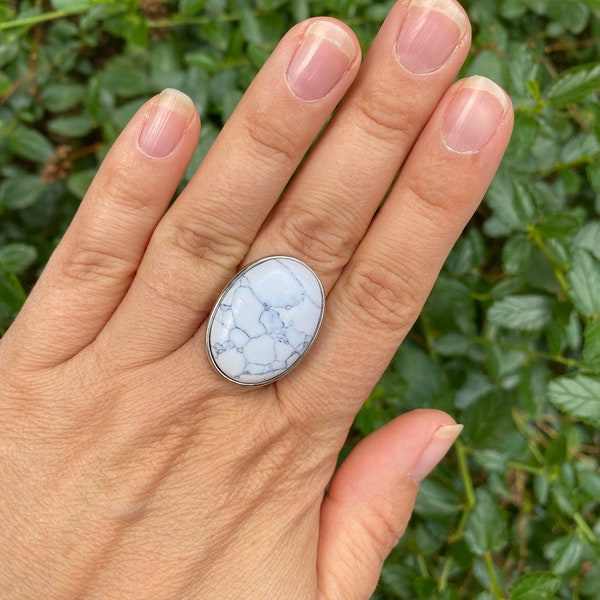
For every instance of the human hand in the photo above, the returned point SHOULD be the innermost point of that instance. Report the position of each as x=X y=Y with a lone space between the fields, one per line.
x=128 y=467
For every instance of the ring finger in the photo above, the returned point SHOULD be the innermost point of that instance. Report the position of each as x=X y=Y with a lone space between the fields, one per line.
x=329 y=205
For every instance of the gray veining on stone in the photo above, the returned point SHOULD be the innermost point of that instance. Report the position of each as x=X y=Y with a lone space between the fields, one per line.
x=265 y=321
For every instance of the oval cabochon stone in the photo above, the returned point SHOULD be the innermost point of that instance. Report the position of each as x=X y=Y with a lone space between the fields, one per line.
x=265 y=320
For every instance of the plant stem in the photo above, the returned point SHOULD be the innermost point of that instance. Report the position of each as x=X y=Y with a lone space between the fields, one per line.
x=556 y=269
x=585 y=528
x=177 y=21
x=422 y=565
x=445 y=573
x=465 y=474
x=41 y=18
x=494 y=584
x=527 y=468
x=534 y=355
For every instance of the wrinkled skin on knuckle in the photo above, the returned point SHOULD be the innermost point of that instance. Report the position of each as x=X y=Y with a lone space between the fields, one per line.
x=89 y=262
x=269 y=139
x=117 y=184
x=380 y=119
x=384 y=300
x=210 y=240
x=439 y=204
x=317 y=240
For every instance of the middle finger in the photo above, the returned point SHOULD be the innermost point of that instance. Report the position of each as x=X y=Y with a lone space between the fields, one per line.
x=329 y=205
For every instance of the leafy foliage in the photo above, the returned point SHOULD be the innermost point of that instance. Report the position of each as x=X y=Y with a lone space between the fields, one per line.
x=509 y=341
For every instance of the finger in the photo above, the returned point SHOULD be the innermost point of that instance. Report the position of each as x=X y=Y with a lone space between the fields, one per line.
x=94 y=264
x=331 y=201
x=203 y=238
x=384 y=286
x=371 y=498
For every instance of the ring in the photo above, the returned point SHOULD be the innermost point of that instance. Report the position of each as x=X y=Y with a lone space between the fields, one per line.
x=265 y=320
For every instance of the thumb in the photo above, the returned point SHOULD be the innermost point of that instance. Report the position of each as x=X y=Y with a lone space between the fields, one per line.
x=371 y=498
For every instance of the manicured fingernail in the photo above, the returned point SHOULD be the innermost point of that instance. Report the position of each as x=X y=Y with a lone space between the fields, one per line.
x=324 y=55
x=429 y=35
x=166 y=123
x=474 y=115
x=439 y=444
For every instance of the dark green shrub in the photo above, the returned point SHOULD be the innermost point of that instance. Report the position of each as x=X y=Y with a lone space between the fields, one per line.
x=509 y=341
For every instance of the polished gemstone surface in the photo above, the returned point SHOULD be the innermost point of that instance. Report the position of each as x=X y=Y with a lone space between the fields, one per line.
x=265 y=320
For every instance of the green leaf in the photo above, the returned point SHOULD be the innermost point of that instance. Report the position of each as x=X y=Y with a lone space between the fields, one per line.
x=424 y=378
x=72 y=5
x=12 y=295
x=436 y=500
x=207 y=60
x=534 y=586
x=559 y=225
x=476 y=386
x=591 y=344
x=125 y=79
x=525 y=312
x=584 y=281
x=593 y=175
x=557 y=451
x=578 y=396
x=588 y=238
x=75 y=126
x=524 y=136
x=564 y=554
x=60 y=97
x=79 y=182
x=21 y=191
x=490 y=64
x=487 y=419
x=485 y=529
x=575 y=84
x=131 y=27
x=28 y=143
x=251 y=28
x=189 y=8
x=591 y=583
x=5 y=83
x=589 y=479
x=583 y=147
x=517 y=253
x=452 y=344
x=17 y=257
x=569 y=15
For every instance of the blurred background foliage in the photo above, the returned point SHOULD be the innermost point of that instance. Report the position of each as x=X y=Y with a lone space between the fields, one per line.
x=509 y=341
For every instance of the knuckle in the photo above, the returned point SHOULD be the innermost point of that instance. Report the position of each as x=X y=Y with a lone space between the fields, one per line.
x=215 y=242
x=316 y=239
x=127 y=192
x=381 y=118
x=89 y=262
x=383 y=299
x=432 y=198
x=384 y=527
x=269 y=139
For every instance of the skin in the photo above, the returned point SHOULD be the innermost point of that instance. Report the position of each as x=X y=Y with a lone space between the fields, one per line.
x=128 y=467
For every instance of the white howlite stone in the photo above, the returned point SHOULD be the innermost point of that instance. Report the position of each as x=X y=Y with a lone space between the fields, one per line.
x=265 y=320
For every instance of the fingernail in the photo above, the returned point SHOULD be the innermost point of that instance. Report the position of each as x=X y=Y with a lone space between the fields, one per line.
x=439 y=444
x=166 y=123
x=322 y=58
x=429 y=35
x=474 y=115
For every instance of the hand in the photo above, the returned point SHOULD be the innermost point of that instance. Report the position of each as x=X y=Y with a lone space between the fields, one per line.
x=128 y=467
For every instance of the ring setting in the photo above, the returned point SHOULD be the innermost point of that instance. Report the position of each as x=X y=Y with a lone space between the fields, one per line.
x=265 y=321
